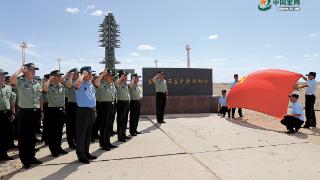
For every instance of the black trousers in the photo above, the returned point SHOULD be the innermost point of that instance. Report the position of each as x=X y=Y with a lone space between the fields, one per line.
x=45 y=123
x=55 y=121
x=234 y=111
x=106 y=111
x=4 y=131
x=292 y=123
x=122 y=118
x=310 y=113
x=97 y=124
x=161 y=99
x=71 y=109
x=27 y=127
x=85 y=120
x=135 y=107
x=224 y=110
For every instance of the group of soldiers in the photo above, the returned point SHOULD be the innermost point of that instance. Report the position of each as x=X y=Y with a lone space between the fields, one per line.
x=86 y=103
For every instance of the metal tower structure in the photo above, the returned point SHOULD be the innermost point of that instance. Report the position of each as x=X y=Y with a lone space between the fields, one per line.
x=109 y=34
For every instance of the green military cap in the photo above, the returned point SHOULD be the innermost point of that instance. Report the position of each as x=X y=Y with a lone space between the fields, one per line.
x=31 y=66
x=56 y=73
x=3 y=73
x=135 y=75
x=74 y=70
x=47 y=76
x=121 y=72
x=110 y=72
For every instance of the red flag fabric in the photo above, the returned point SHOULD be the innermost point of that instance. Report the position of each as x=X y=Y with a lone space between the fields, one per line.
x=264 y=91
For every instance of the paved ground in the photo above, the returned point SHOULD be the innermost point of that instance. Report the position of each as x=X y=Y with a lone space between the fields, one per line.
x=202 y=146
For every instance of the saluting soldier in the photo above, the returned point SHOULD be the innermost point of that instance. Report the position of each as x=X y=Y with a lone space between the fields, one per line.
x=86 y=114
x=56 y=112
x=106 y=95
x=7 y=114
x=161 y=95
x=44 y=97
x=122 y=105
x=29 y=92
x=71 y=106
x=135 y=106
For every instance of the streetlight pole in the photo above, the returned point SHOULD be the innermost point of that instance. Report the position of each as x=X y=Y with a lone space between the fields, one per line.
x=156 y=62
x=23 y=55
x=59 y=61
x=188 y=55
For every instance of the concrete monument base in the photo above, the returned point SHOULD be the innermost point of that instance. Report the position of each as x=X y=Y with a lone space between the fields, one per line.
x=181 y=104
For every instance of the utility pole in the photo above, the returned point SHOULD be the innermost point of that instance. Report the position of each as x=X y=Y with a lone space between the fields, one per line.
x=23 y=55
x=156 y=62
x=109 y=34
x=188 y=55
x=59 y=61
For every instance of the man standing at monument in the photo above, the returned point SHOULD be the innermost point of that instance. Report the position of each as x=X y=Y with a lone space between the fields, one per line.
x=29 y=92
x=233 y=110
x=123 y=100
x=7 y=112
x=311 y=86
x=161 y=95
x=135 y=106
x=86 y=114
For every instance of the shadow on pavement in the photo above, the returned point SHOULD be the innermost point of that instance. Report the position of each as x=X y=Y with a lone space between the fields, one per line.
x=242 y=123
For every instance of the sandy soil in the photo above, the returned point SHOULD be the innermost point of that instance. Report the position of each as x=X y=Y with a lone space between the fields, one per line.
x=271 y=123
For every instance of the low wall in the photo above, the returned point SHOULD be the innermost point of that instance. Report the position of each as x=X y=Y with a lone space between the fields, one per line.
x=181 y=104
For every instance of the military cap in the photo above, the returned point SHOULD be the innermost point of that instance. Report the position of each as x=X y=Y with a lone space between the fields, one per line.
x=3 y=73
x=56 y=73
x=31 y=66
x=161 y=72
x=110 y=72
x=294 y=95
x=314 y=74
x=135 y=75
x=86 y=68
x=74 y=70
x=47 y=76
x=121 y=72
x=37 y=78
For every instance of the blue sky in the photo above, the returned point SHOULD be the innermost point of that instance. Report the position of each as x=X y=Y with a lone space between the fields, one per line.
x=228 y=36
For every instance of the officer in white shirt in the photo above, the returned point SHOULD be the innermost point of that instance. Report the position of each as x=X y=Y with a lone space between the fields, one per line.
x=311 y=86
x=294 y=120
x=233 y=110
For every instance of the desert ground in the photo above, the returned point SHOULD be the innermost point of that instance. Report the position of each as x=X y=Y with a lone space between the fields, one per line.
x=184 y=131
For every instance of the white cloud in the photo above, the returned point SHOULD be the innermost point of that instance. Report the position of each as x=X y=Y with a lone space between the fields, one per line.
x=146 y=47
x=97 y=13
x=314 y=35
x=307 y=56
x=267 y=45
x=278 y=57
x=72 y=10
x=214 y=36
x=310 y=57
x=90 y=7
x=135 y=54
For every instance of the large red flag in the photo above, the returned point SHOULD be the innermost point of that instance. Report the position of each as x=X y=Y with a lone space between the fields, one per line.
x=264 y=91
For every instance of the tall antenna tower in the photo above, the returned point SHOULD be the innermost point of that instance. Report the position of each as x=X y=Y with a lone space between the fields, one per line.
x=109 y=34
x=23 y=55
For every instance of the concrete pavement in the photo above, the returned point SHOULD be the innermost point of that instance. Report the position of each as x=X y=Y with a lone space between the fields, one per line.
x=198 y=146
